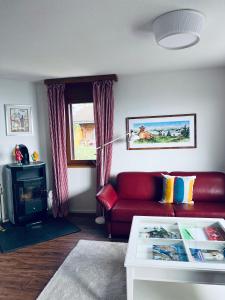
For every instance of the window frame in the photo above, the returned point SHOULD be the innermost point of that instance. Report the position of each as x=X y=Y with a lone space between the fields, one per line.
x=81 y=98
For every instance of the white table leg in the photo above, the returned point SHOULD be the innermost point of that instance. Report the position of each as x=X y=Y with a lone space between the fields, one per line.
x=130 y=284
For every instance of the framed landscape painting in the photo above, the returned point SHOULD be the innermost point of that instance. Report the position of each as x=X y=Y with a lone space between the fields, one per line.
x=161 y=132
x=18 y=119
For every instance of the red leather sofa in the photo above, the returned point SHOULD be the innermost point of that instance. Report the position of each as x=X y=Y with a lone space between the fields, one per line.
x=139 y=193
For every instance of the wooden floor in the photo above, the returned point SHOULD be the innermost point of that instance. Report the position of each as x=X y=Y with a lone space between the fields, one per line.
x=25 y=272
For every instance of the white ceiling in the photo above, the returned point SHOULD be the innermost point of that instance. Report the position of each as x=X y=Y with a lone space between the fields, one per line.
x=62 y=38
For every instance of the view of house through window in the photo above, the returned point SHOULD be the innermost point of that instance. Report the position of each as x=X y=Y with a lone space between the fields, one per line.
x=83 y=129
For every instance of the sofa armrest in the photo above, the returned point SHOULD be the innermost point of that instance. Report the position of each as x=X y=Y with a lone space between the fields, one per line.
x=107 y=196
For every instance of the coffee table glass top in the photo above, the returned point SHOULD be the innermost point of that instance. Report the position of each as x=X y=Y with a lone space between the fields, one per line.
x=181 y=241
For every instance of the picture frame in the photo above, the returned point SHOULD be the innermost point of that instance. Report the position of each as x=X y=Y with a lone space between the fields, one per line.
x=161 y=132
x=18 y=119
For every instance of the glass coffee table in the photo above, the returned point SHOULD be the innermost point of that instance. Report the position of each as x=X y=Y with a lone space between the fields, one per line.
x=181 y=250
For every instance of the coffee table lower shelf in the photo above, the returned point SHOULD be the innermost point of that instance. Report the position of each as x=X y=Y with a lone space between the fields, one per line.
x=172 y=275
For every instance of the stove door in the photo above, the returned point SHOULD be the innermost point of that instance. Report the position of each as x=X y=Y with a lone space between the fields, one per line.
x=30 y=197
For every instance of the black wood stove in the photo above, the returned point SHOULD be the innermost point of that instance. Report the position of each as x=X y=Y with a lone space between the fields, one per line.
x=26 y=192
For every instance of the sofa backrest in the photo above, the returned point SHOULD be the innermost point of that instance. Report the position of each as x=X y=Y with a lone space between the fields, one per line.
x=208 y=186
x=140 y=185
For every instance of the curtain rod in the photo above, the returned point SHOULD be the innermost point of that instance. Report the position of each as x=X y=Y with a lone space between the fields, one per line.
x=81 y=79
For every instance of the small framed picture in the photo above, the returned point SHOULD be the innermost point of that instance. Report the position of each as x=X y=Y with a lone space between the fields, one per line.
x=18 y=119
x=162 y=132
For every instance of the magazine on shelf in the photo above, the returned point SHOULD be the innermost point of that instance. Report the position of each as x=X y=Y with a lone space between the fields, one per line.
x=160 y=232
x=215 y=232
x=206 y=255
x=174 y=252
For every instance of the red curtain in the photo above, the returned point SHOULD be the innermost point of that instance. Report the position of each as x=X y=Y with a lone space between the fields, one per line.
x=57 y=122
x=103 y=114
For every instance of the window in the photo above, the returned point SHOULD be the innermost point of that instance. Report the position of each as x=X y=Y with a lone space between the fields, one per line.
x=81 y=144
x=83 y=130
x=80 y=139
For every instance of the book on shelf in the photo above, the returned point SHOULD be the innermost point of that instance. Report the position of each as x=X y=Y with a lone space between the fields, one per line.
x=208 y=255
x=159 y=232
x=174 y=252
x=215 y=232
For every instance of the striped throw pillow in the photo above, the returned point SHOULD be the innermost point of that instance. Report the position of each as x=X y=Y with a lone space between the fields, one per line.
x=168 y=188
x=178 y=189
x=183 y=189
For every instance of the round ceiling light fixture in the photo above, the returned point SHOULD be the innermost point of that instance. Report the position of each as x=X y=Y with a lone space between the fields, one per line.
x=178 y=29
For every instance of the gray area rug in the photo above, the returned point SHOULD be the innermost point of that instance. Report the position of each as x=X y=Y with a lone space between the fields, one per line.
x=93 y=270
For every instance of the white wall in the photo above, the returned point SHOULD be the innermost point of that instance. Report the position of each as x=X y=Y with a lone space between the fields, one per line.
x=16 y=92
x=196 y=91
x=200 y=91
x=82 y=189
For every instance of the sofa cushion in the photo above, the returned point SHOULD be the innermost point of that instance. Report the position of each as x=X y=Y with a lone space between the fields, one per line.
x=124 y=210
x=209 y=186
x=201 y=210
x=140 y=186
